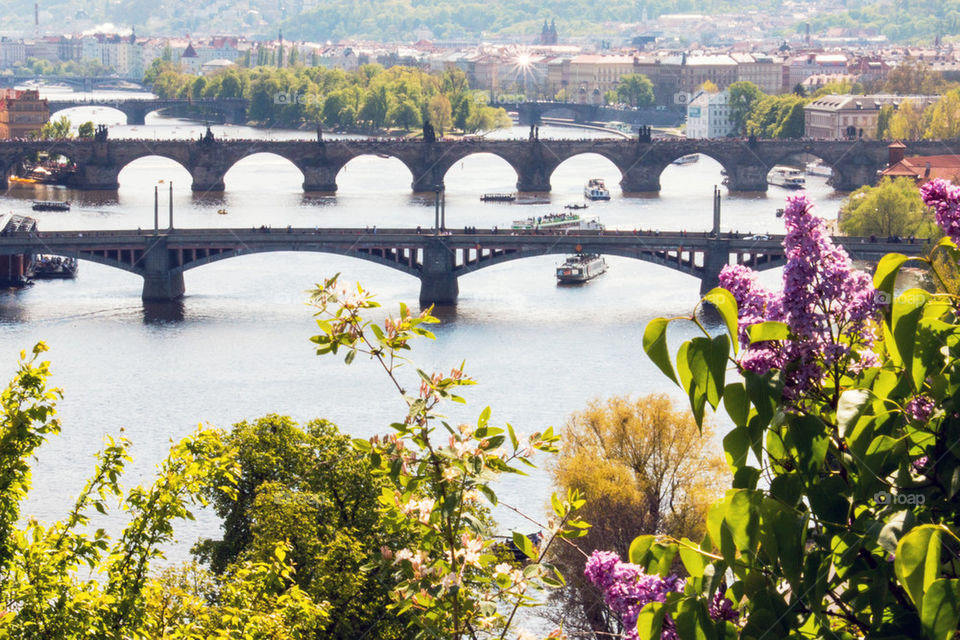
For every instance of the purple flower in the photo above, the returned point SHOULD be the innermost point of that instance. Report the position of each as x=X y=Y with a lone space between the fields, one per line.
x=627 y=589
x=721 y=608
x=944 y=198
x=830 y=309
x=920 y=407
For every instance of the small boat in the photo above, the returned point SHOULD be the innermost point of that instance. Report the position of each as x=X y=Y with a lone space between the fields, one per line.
x=51 y=205
x=222 y=212
x=817 y=168
x=533 y=199
x=596 y=190
x=580 y=268
x=690 y=158
x=498 y=197
x=48 y=267
x=20 y=180
x=786 y=177
x=575 y=206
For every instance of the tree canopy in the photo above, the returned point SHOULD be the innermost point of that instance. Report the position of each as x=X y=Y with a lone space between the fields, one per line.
x=892 y=208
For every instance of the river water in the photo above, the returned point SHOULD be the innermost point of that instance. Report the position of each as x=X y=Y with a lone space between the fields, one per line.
x=236 y=347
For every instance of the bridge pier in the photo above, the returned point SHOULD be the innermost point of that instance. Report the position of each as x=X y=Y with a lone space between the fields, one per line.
x=438 y=284
x=135 y=116
x=96 y=178
x=320 y=178
x=641 y=179
x=747 y=177
x=715 y=258
x=207 y=178
x=160 y=281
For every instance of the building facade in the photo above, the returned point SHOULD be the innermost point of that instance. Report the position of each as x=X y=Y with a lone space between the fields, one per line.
x=708 y=115
x=21 y=113
x=848 y=117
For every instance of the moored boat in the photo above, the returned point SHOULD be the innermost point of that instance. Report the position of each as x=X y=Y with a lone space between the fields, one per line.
x=817 y=168
x=596 y=190
x=580 y=268
x=51 y=205
x=575 y=206
x=786 y=177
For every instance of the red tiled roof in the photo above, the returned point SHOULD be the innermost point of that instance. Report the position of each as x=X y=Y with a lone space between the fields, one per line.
x=946 y=166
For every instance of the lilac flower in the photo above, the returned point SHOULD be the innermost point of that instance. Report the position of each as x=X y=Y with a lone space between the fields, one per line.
x=944 y=198
x=721 y=608
x=830 y=309
x=919 y=408
x=627 y=588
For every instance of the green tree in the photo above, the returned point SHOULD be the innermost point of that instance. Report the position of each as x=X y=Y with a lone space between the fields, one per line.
x=914 y=77
x=636 y=90
x=86 y=130
x=944 y=117
x=909 y=122
x=58 y=129
x=892 y=208
x=375 y=108
x=743 y=99
x=883 y=122
x=645 y=467
x=440 y=113
x=309 y=488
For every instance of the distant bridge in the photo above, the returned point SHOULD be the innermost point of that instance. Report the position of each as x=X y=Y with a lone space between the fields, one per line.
x=84 y=83
x=233 y=110
x=855 y=163
x=437 y=260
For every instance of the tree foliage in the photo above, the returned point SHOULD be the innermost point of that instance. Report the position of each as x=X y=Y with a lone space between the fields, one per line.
x=644 y=467
x=777 y=117
x=892 y=208
x=744 y=97
x=636 y=90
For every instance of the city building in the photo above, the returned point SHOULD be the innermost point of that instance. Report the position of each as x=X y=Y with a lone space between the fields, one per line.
x=846 y=117
x=765 y=71
x=800 y=67
x=708 y=115
x=21 y=113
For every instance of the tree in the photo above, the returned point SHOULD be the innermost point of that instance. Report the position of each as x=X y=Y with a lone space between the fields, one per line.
x=944 y=118
x=440 y=114
x=405 y=115
x=58 y=129
x=883 y=122
x=644 y=467
x=743 y=99
x=892 y=208
x=846 y=407
x=908 y=122
x=86 y=130
x=309 y=488
x=709 y=87
x=635 y=89
x=375 y=108
x=913 y=77
x=778 y=117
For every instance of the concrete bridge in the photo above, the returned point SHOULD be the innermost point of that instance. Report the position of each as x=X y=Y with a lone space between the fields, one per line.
x=233 y=110
x=161 y=258
x=854 y=163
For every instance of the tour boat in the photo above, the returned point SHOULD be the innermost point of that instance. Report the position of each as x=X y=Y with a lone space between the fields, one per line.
x=576 y=206
x=557 y=221
x=817 y=168
x=786 y=177
x=47 y=267
x=690 y=158
x=580 y=268
x=596 y=190
x=51 y=205
x=498 y=197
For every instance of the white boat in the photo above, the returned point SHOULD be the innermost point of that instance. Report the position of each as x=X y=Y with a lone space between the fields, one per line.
x=690 y=158
x=580 y=268
x=786 y=177
x=817 y=168
x=567 y=221
x=596 y=190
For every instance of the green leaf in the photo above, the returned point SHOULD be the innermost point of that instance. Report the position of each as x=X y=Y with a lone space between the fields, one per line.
x=941 y=609
x=484 y=418
x=850 y=408
x=523 y=543
x=655 y=345
x=726 y=305
x=693 y=561
x=639 y=549
x=736 y=445
x=650 y=621
x=768 y=330
x=917 y=562
x=693 y=620
x=743 y=520
x=707 y=359
x=885 y=276
x=907 y=311
x=513 y=436
x=736 y=402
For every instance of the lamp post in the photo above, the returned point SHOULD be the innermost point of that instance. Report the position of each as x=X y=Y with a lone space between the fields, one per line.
x=436 y=211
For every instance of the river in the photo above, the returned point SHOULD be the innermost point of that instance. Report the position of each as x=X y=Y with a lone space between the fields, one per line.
x=236 y=347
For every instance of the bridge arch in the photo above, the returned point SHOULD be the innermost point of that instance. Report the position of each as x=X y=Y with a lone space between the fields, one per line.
x=498 y=173
x=378 y=257
x=78 y=113
x=577 y=168
x=374 y=174
x=154 y=168
x=274 y=172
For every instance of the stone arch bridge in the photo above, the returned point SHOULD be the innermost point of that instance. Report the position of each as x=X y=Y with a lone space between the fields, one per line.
x=438 y=261
x=233 y=110
x=854 y=163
